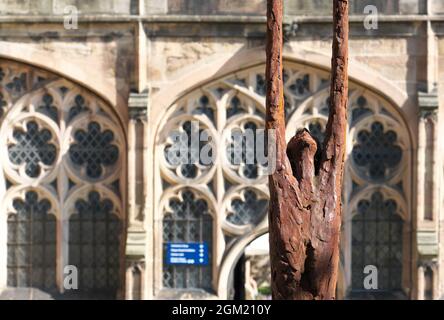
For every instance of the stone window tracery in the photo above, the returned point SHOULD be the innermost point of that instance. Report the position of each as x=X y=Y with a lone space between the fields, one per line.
x=376 y=151
x=65 y=161
x=33 y=148
x=377 y=156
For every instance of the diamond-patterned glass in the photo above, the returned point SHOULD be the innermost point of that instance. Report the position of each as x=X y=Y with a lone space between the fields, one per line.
x=247 y=211
x=204 y=107
x=94 y=246
x=188 y=221
x=300 y=86
x=187 y=167
x=32 y=244
x=78 y=107
x=234 y=108
x=360 y=109
x=47 y=107
x=94 y=149
x=377 y=240
x=376 y=152
x=261 y=85
x=32 y=147
x=248 y=155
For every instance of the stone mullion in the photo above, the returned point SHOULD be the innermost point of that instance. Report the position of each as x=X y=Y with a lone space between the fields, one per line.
x=136 y=235
x=422 y=267
x=217 y=238
x=427 y=186
x=131 y=171
x=62 y=217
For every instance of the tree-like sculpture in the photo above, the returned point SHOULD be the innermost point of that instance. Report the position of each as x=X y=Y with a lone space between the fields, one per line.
x=305 y=188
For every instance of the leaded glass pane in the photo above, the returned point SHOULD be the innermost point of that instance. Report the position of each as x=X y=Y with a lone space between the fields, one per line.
x=261 y=87
x=377 y=234
x=300 y=86
x=32 y=147
x=376 y=152
x=94 y=149
x=78 y=107
x=47 y=107
x=360 y=109
x=242 y=150
x=186 y=160
x=31 y=245
x=204 y=107
x=188 y=221
x=18 y=84
x=234 y=108
x=88 y=250
x=249 y=210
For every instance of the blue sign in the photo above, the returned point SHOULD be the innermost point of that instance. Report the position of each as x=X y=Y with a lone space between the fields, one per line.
x=187 y=253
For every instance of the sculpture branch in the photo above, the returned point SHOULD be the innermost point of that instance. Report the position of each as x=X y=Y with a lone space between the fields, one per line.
x=305 y=194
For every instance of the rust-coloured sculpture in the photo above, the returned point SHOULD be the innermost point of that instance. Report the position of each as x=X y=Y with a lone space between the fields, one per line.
x=305 y=192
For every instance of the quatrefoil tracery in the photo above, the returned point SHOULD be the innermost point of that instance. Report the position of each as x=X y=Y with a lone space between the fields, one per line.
x=43 y=118
x=32 y=148
x=94 y=149
x=238 y=100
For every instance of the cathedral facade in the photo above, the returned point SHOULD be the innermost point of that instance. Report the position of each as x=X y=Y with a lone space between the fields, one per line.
x=91 y=91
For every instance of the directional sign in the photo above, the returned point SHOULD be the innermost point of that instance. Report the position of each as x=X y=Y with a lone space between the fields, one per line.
x=191 y=253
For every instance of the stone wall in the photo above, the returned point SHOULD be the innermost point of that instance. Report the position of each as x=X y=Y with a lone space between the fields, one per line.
x=207 y=7
x=179 y=44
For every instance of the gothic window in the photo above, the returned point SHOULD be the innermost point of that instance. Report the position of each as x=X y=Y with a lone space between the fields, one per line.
x=32 y=243
x=94 y=232
x=376 y=151
x=377 y=241
x=232 y=111
x=63 y=148
x=187 y=220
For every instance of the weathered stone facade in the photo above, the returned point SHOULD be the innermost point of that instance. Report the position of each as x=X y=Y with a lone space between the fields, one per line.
x=148 y=62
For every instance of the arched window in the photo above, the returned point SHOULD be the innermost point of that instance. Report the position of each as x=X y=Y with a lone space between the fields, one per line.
x=61 y=183
x=232 y=109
